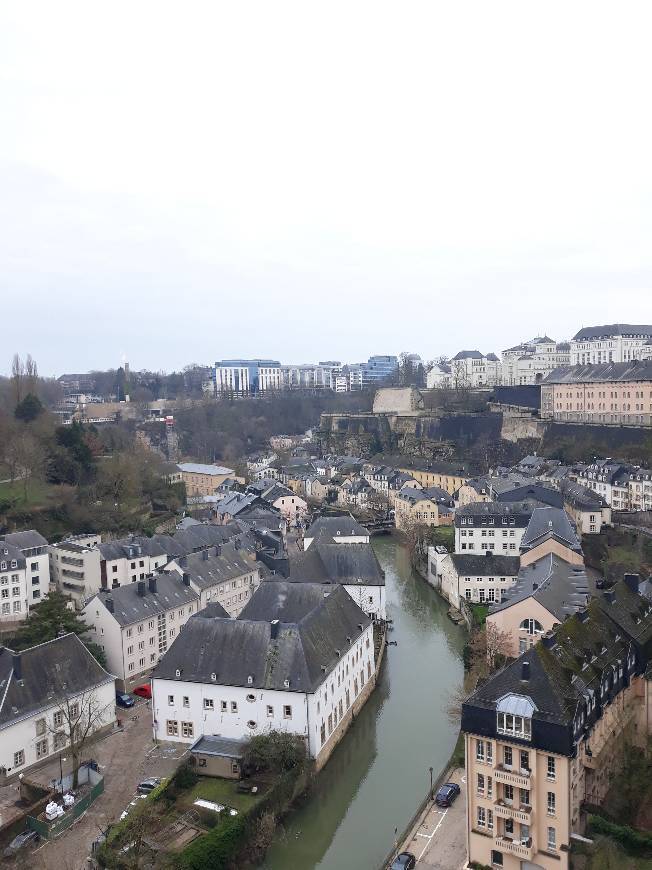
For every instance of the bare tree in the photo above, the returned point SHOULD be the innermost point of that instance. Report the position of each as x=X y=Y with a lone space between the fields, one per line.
x=74 y=724
x=29 y=459
x=31 y=375
x=17 y=378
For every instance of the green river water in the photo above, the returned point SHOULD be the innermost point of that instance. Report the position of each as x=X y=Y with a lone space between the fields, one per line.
x=379 y=774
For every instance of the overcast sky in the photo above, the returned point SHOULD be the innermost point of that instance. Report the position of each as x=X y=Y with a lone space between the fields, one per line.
x=183 y=182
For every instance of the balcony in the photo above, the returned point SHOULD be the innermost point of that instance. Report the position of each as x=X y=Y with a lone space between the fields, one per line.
x=504 y=811
x=515 y=847
x=516 y=777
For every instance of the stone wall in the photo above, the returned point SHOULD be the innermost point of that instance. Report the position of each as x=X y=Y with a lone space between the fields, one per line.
x=398 y=400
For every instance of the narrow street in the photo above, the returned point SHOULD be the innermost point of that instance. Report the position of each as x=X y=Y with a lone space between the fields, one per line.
x=125 y=757
x=438 y=839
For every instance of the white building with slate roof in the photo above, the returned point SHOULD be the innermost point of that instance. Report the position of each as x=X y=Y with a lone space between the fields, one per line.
x=135 y=624
x=34 y=549
x=35 y=685
x=299 y=659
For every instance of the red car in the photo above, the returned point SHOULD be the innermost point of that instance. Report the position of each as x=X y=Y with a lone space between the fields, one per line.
x=143 y=691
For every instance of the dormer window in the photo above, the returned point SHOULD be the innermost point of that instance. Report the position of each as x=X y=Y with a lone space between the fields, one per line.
x=250 y=680
x=514 y=716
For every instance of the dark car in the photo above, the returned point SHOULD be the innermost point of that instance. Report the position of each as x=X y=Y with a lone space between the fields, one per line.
x=20 y=841
x=404 y=861
x=447 y=794
x=148 y=785
x=124 y=700
x=144 y=691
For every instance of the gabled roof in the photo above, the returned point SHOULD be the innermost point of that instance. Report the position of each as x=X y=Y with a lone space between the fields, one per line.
x=257 y=653
x=9 y=554
x=469 y=565
x=285 y=601
x=199 y=468
x=560 y=587
x=208 y=568
x=547 y=523
x=468 y=354
x=26 y=540
x=335 y=527
x=325 y=562
x=130 y=606
x=49 y=672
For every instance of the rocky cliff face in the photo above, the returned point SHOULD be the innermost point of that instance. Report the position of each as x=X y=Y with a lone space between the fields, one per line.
x=430 y=436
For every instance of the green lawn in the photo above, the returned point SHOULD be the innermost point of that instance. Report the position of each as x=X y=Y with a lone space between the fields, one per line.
x=39 y=494
x=221 y=791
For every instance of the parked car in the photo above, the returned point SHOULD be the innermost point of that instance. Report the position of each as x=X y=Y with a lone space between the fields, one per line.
x=123 y=700
x=144 y=691
x=404 y=861
x=148 y=785
x=447 y=794
x=20 y=841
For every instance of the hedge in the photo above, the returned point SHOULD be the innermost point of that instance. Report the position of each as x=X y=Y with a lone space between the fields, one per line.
x=629 y=838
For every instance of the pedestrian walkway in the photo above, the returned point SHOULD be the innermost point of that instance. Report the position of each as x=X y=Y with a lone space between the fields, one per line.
x=438 y=838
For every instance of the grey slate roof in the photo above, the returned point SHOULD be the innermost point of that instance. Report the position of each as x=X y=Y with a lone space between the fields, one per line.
x=285 y=601
x=581 y=497
x=325 y=562
x=557 y=585
x=59 y=668
x=9 y=554
x=550 y=522
x=468 y=354
x=212 y=610
x=518 y=511
x=634 y=370
x=129 y=606
x=28 y=540
x=469 y=565
x=590 y=332
x=208 y=568
x=334 y=527
x=225 y=747
x=237 y=649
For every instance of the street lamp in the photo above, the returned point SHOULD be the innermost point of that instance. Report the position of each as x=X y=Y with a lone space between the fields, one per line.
x=61 y=773
x=430 y=769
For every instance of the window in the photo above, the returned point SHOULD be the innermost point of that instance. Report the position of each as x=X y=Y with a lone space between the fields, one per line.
x=251 y=724
x=508 y=793
x=234 y=706
x=186 y=701
x=482 y=817
x=515 y=726
x=552 y=803
x=41 y=748
x=552 y=767
x=479 y=750
x=287 y=711
x=480 y=786
x=187 y=729
x=525 y=760
x=552 y=839
x=170 y=700
x=209 y=704
x=40 y=727
x=59 y=740
x=490 y=820
x=496 y=858
x=532 y=626
x=270 y=711
x=19 y=758
x=507 y=756
x=57 y=719
x=172 y=728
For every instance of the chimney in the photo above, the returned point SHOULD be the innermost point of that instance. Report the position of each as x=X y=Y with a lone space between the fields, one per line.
x=17 y=665
x=488 y=553
x=205 y=555
x=108 y=602
x=186 y=578
x=610 y=596
x=525 y=671
x=632 y=581
x=274 y=627
x=218 y=550
x=142 y=587
x=152 y=584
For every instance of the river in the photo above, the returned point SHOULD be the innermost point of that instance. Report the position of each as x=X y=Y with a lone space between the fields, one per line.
x=378 y=775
